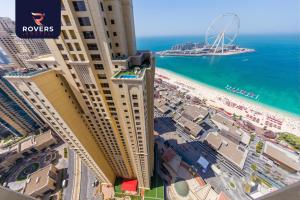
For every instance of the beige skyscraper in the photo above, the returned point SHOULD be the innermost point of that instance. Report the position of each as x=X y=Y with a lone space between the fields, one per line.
x=19 y=50
x=98 y=94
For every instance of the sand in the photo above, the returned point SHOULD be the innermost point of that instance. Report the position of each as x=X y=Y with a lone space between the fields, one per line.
x=258 y=114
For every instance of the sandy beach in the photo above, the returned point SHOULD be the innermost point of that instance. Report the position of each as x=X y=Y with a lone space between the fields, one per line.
x=258 y=114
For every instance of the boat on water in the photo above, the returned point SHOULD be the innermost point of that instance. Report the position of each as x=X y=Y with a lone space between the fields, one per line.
x=242 y=92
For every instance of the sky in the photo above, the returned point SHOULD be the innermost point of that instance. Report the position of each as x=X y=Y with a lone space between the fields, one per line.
x=192 y=17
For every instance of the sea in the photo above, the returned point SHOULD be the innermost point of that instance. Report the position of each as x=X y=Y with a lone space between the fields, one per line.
x=272 y=71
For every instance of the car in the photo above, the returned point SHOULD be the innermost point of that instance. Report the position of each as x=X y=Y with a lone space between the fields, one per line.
x=64 y=183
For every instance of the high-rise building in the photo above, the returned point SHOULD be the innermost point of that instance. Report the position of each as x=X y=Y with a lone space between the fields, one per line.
x=19 y=50
x=98 y=94
x=16 y=116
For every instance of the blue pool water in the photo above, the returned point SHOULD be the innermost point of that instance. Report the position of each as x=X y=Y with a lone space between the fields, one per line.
x=128 y=76
x=272 y=72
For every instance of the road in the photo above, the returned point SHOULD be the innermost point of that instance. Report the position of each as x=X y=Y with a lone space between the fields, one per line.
x=67 y=192
x=211 y=155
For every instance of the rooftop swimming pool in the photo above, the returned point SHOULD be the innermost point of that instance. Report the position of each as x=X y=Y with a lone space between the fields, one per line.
x=128 y=76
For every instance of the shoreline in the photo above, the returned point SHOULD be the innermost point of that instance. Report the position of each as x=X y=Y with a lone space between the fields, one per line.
x=290 y=122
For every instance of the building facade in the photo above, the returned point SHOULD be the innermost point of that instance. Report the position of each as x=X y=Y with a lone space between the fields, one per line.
x=98 y=94
x=19 y=50
x=16 y=116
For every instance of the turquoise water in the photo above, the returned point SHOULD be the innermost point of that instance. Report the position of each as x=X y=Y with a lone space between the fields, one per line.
x=273 y=71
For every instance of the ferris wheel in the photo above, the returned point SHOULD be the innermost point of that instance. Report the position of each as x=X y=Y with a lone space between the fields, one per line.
x=222 y=32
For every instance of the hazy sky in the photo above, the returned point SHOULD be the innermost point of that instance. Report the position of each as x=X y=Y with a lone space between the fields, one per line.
x=180 y=17
x=192 y=17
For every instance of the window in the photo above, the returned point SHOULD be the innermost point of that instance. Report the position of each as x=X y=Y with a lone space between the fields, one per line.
x=99 y=66
x=112 y=21
x=104 y=85
x=95 y=57
x=74 y=57
x=72 y=33
x=104 y=19
x=107 y=33
x=101 y=76
x=120 y=86
x=116 y=66
x=67 y=20
x=84 y=21
x=134 y=96
x=117 y=44
x=77 y=46
x=70 y=47
x=115 y=33
x=92 y=46
x=79 y=6
x=65 y=57
x=81 y=56
x=88 y=35
x=110 y=8
x=65 y=35
x=60 y=47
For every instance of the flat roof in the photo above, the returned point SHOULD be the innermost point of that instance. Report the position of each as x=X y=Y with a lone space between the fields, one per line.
x=227 y=148
x=44 y=138
x=37 y=180
x=203 y=162
x=285 y=157
x=26 y=145
x=193 y=127
x=193 y=112
x=43 y=58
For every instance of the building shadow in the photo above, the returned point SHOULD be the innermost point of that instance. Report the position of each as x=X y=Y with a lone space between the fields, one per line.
x=168 y=125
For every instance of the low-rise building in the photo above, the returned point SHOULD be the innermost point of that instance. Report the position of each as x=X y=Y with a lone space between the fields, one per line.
x=161 y=105
x=230 y=130
x=33 y=144
x=41 y=182
x=230 y=150
x=191 y=127
x=194 y=113
x=171 y=97
x=284 y=158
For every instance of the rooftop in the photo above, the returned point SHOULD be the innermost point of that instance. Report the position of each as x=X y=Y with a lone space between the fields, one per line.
x=25 y=73
x=43 y=138
x=283 y=156
x=38 y=180
x=193 y=112
x=192 y=127
x=230 y=130
x=136 y=66
x=42 y=58
x=227 y=148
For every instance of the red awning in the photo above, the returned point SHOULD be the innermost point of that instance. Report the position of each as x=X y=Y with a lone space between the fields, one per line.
x=129 y=185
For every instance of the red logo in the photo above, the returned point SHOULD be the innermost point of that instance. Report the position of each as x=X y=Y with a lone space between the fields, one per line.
x=38 y=18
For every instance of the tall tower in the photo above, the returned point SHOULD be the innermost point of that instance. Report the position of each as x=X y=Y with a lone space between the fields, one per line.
x=16 y=117
x=99 y=93
x=19 y=50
